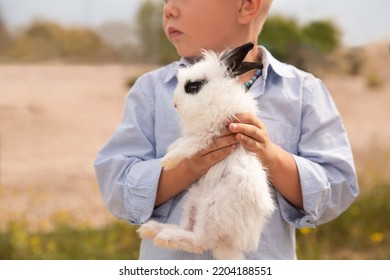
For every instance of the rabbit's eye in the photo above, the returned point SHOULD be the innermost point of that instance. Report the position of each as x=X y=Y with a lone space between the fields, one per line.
x=194 y=87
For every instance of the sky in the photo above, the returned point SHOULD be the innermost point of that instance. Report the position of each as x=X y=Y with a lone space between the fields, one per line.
x=361 y=22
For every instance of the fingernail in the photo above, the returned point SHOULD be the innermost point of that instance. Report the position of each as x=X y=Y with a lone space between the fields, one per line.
x=233 y=126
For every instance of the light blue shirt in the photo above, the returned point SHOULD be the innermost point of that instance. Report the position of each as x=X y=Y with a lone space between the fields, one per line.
x=300 y=116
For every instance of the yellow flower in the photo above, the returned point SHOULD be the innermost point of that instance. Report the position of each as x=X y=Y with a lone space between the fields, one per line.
x=377 y=237
x=305 y=230
x=35 y=241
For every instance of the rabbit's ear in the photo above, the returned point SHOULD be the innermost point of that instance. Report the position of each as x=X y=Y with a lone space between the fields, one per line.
x=234 y=60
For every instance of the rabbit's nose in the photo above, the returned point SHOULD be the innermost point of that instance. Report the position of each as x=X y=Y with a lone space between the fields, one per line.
x=174 y=104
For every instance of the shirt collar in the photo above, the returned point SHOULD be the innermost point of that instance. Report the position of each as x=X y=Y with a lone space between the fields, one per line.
x=280 y=68
x=268 y=61
x=172 y=70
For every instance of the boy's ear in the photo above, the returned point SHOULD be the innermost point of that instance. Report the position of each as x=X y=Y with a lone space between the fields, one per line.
x=249 y=9
x=234 y=60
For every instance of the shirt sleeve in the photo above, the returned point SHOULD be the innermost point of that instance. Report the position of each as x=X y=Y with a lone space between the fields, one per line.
x=126 y=167
x=324 y=160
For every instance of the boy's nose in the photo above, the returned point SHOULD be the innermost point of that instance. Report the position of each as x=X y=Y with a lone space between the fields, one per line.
x=170 y=9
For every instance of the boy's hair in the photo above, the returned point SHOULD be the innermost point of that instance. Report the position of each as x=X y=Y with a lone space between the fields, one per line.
x=262 y=16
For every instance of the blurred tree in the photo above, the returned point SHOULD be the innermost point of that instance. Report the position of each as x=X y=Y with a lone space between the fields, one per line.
x=148 y=30
x=5 y=39
x=302 y=46
x=154 y=46
x=48 y=41
x=281 y=36
x=322 y=35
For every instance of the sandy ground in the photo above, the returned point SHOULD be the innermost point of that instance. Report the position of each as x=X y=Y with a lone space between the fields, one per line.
x=55 y=118
x=53 y=121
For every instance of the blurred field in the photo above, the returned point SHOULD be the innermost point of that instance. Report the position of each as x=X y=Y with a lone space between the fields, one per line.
x=54 y=118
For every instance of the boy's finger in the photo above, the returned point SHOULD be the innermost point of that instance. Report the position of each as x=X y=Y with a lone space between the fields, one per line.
x=249 y=118
x=218 y=155
x=248 y=130
x=225 y=132
x=249 y=143
x=221 y=142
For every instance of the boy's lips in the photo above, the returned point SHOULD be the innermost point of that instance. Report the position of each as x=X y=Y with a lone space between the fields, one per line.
x=173 y=32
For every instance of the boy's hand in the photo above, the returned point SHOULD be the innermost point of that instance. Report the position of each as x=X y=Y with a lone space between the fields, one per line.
x=177 y=179
x=281 y=167
x=252 y=134
x=222 y=147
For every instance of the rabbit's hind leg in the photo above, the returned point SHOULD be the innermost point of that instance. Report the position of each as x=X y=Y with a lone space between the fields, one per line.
x=150 y=229
x=179 y=239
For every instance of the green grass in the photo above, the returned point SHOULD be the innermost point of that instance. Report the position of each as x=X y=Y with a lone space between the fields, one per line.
x=115 y=242
x=362 y=232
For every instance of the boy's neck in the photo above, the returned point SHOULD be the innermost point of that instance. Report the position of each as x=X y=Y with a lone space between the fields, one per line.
x=253 y=55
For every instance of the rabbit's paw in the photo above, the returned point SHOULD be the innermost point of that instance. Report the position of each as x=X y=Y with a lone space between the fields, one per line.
x=149 y=230
x=170 y=239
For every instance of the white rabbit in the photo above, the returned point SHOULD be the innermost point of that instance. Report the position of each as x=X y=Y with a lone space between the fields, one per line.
x=226 y=209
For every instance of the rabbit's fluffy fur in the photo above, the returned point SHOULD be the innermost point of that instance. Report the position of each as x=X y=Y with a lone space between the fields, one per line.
x=226 y=209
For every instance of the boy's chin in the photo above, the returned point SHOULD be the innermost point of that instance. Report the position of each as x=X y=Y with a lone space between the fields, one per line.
x=188 y=52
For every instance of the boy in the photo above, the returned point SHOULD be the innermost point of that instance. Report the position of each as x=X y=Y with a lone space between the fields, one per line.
x=298 y=135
